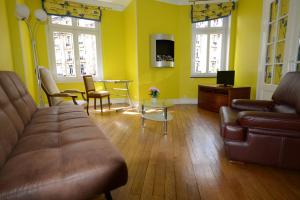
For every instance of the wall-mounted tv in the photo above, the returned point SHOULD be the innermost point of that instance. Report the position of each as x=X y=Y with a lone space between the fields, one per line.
x=225 y=78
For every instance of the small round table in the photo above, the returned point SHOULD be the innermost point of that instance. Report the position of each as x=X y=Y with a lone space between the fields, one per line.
x=159 y=112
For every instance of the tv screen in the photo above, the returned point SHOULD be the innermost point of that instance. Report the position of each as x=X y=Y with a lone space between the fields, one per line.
x=225 y=77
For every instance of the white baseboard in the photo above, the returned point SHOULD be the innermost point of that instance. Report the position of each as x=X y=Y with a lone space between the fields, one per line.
x=185 y=101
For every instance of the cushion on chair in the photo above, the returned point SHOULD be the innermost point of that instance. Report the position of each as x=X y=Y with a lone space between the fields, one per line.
x=50 y=85
x=98 y=94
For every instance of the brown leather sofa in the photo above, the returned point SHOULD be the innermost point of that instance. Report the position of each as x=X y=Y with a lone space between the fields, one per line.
x=265 y=132
x=52 y=153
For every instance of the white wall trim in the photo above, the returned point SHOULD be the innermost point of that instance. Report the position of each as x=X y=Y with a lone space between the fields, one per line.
x=188 y=2
x=184 y=101
x=111 y=5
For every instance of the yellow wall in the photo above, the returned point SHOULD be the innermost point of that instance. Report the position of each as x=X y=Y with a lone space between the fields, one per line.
x=113 y=48
x=154 y=18
x=6 y=60
x=248 y=32
x=15 y=39
x=126 y=47
x=131 y=60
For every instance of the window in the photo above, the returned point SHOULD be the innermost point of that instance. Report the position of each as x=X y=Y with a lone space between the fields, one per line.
x=75 y=48
x=209 y=47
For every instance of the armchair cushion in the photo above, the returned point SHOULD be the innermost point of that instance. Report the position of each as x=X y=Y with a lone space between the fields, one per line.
x=288 y=91
x=252 y=105
x=270 y=120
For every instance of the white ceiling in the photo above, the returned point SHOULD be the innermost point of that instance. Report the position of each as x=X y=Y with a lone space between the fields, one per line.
x=122 y=4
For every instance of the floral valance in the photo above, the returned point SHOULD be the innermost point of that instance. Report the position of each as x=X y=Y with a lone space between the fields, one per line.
x=72 y=9
x=210 y=11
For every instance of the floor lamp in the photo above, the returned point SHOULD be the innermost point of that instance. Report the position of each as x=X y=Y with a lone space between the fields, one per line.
x=23 y=14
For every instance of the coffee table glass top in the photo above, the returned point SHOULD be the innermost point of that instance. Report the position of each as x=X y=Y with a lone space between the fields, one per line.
x=160 y=103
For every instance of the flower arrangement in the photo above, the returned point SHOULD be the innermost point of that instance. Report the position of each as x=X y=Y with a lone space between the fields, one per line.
x=154 y=92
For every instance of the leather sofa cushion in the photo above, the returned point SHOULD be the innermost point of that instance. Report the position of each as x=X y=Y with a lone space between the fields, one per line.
x=288 y=91
x=18 y=96
x=61 y=154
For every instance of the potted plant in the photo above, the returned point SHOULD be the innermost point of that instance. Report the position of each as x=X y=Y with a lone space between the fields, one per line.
x=154 y=93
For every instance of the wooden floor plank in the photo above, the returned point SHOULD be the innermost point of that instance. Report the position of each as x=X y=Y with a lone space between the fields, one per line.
x=189 y=162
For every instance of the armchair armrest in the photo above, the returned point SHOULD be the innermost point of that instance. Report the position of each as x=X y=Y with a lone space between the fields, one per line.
x=73 y=96
x=75 y=92
x=270 y=120
x=252 y=105
x=63 y=95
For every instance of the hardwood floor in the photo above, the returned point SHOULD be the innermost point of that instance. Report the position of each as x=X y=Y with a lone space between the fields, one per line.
x=189 y=162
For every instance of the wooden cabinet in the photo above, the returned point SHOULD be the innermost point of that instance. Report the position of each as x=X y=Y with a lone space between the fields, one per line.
x=212 y=97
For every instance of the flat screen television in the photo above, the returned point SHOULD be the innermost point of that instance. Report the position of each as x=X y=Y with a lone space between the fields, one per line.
x=225 y=78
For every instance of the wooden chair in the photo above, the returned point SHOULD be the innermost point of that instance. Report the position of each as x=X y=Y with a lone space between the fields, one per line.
x=54 y=95
x=92 y=93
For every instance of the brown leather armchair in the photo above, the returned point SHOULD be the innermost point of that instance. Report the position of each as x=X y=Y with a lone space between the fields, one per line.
x=265 y=132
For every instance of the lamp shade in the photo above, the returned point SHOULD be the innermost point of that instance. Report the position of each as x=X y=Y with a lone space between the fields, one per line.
x=22 y=11
x=40 y=15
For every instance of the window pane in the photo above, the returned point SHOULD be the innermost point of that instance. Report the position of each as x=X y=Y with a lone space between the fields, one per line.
x=298 y=57
x=269 y=58
x=64 y=54
x=277 y=74
x=216 y=23
x=268 y=74
x=272 y=31
x=284 y=7
x=273 y=11
x=279 y=52
x=87 y=54
x=282 y=28
x=201 y=53
x=86 y=23
x=202 y=24
x=215 y=52
x=61 y=20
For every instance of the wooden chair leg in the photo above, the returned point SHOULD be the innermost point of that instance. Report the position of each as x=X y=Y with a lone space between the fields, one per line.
x=108 y=97
x=101 y=104
x=87 y=106
x=95 y=103
x=108 y=196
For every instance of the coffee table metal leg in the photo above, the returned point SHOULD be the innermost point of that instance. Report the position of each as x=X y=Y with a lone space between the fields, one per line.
x=143 y=119
x=166 y=120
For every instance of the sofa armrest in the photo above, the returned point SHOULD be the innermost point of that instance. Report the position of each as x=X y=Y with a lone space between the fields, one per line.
x=252 y=105
x=270 y=121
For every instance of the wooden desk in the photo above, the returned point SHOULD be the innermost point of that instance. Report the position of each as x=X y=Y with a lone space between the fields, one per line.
x=212 y=97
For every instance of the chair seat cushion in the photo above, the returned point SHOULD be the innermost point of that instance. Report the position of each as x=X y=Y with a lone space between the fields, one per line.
x=98 y=94
x=61 y=155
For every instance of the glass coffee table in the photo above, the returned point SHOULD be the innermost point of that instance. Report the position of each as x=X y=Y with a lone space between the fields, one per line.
x=157 y=111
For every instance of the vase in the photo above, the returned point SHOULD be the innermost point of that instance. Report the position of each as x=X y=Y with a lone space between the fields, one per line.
x=153 y=99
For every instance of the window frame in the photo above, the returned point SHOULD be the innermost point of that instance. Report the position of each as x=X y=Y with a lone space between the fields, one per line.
x=225 y=30
x=75 y=30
